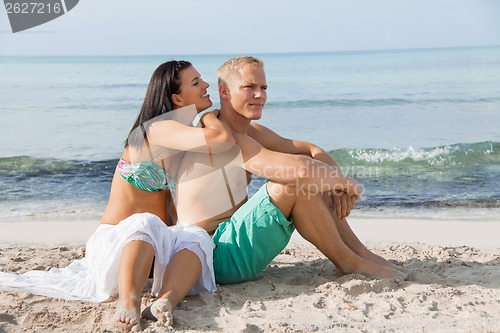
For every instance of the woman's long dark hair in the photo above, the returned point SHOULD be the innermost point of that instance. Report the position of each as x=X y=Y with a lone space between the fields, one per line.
x=165 y=81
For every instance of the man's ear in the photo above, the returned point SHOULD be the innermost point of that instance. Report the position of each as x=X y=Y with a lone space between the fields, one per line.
x=177 y=100
x=224 y=91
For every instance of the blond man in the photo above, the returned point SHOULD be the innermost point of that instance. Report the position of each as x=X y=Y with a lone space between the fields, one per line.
x=306 y=190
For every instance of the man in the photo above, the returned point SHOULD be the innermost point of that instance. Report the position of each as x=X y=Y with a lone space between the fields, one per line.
x=307 y=190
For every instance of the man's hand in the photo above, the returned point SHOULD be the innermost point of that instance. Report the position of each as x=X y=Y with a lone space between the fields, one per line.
x=342 y=203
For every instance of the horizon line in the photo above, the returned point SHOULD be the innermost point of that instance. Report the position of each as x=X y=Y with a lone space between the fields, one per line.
x=260 y=53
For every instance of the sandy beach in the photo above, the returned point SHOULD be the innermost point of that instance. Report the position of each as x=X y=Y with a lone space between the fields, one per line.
x=453 y=284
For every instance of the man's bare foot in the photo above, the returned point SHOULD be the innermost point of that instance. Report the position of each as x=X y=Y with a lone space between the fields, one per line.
x=127 y=315
x=373 y=270
x=160 y=310
x=370 y=256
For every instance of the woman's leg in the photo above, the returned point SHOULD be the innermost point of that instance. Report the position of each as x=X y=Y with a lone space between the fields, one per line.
x=182 y=272
x=135 y=264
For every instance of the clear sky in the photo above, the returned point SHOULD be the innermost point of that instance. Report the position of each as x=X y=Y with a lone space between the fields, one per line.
x=117 y=27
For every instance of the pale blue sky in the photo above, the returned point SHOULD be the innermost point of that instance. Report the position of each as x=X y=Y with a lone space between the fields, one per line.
x=117 y=27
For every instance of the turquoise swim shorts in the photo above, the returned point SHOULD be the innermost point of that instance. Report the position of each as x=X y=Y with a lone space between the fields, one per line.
x=250 y=240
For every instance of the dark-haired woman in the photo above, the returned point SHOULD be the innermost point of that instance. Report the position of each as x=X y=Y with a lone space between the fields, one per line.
x=141 y=194
x=135 y=230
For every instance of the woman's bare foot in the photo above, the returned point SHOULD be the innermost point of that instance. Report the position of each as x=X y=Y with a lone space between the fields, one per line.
x=127 y=315
x=160 y=310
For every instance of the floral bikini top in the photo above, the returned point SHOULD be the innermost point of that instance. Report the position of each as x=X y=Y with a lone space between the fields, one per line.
x=146 y=176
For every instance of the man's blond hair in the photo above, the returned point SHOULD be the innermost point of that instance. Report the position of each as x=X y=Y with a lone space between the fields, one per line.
x=232 y=66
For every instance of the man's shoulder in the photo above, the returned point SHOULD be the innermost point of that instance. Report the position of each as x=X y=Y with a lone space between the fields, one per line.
x=257 y=127
x=260 y=132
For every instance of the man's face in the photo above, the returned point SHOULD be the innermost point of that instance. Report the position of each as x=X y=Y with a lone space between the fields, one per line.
x=248 y=91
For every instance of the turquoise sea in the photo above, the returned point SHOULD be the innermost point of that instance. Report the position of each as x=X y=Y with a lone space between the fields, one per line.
x=419 y=128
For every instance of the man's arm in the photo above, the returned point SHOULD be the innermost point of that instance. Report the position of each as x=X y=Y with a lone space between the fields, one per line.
x=298 y=170
x=342 y=203
x=272 y=141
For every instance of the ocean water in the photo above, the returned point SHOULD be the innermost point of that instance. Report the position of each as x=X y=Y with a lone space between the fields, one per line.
x=420 y=129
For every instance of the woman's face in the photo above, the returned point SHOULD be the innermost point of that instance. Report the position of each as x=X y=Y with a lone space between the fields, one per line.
x=193 y=90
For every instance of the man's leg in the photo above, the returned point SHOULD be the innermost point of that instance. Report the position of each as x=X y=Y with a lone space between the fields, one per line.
x=245 y=245
x=315 y=223
x=350 y=238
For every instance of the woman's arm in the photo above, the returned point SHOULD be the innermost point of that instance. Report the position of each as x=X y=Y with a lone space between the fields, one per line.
x=214 y=137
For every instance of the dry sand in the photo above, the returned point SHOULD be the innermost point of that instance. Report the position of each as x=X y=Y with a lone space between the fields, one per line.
x=453 y=284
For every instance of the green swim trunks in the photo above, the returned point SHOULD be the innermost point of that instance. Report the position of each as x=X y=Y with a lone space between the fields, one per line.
x=250 y=240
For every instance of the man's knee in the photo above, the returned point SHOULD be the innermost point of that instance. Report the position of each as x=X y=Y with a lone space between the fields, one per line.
x=279 y=191
x=282 y=196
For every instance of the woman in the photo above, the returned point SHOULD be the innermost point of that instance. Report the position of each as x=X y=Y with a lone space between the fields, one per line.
x=133 y=229
x=153 y=146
